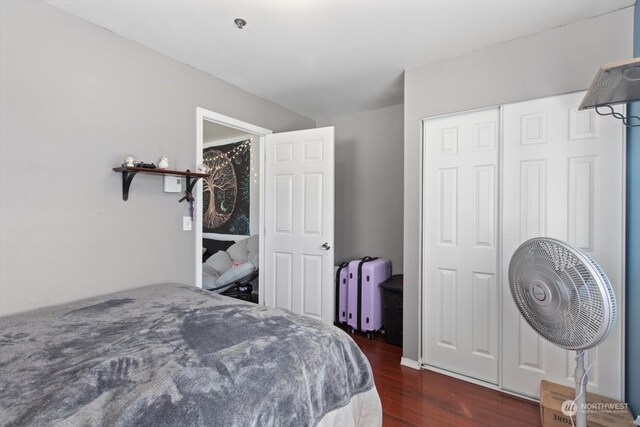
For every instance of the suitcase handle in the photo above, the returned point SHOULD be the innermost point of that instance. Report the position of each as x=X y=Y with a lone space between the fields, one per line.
x=340 y=267
x=360 y=264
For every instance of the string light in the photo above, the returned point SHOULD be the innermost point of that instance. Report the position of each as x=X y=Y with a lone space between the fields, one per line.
x=217 y=162
x=253 y=162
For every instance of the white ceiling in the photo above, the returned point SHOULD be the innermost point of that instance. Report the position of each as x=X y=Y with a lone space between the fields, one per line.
x=326 y=58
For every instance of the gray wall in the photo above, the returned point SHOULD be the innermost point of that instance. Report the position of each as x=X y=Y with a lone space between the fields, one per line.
x=75 y=98
x=368 y=198
x=557 y=61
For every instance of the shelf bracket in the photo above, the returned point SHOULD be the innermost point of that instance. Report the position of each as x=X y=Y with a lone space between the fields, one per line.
x=191 y=182
x=127 y=177
x=627 y=121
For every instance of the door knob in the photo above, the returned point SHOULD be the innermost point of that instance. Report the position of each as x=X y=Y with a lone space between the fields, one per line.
x=326 y=246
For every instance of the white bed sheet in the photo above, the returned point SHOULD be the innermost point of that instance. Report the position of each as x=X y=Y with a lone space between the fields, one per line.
x=363 y=410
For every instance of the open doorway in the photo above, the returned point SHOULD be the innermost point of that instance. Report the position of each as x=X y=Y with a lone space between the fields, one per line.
x=296 y=215
x=228 y=207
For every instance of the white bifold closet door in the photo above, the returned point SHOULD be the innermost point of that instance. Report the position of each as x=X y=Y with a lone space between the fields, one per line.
x=563 y=177
x=461 y=298
x=491 y=181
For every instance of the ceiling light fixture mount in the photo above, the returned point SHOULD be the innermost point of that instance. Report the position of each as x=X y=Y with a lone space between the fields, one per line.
x=240 y=23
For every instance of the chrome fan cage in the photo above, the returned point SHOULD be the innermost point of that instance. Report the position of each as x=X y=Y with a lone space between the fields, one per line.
x=562 y=293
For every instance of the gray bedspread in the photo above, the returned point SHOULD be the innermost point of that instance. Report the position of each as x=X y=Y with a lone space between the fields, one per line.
x=170 y=355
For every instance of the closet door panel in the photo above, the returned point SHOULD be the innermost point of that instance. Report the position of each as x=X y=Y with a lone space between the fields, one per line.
x=562 y=178
x=460 y=213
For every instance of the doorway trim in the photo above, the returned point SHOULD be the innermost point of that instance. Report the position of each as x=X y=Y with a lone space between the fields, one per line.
x=203 y=114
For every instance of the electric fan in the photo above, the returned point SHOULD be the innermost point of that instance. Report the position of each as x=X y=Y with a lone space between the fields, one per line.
x=564 y=295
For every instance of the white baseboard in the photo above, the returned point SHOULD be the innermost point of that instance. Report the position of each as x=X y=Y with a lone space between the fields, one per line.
x=410 y=363
x=479 y=382
x=462 y=377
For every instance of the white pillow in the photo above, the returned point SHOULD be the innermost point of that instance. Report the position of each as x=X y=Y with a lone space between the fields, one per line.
x=252 y=247
x=220 y=261
x=238 y=251
x=244 y=250
x=235 y=273
x=209 y=276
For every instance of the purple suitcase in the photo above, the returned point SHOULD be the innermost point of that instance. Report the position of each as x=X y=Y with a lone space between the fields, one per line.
x=341 y=292
x=352 y=294
x=364 y=297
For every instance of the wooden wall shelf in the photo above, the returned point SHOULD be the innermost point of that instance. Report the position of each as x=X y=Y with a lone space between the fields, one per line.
x=128 y=172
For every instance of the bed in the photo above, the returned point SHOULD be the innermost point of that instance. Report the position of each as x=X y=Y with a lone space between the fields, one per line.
x=177 y=355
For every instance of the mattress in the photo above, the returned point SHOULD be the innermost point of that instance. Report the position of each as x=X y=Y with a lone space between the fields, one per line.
x=176 y=355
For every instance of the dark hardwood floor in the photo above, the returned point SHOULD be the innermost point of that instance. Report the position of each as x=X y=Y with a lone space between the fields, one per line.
x=424 y=398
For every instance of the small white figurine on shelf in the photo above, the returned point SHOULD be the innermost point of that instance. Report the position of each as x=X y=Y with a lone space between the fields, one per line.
x=203 y=169
x=163 y=163
x=129 y=160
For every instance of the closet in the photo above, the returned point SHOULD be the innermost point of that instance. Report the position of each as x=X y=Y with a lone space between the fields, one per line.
x=494 y=178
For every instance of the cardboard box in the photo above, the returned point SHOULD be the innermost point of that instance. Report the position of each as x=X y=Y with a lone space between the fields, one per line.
x=601 y=411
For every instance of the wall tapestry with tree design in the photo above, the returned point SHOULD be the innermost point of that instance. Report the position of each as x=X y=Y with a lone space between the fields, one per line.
x=226 y=190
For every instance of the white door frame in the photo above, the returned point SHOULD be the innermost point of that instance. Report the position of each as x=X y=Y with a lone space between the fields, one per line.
x=203 y=114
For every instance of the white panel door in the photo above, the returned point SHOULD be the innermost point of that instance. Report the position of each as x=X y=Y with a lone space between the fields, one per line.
x=298 y=218
x=563 y=178
x=460 y=244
